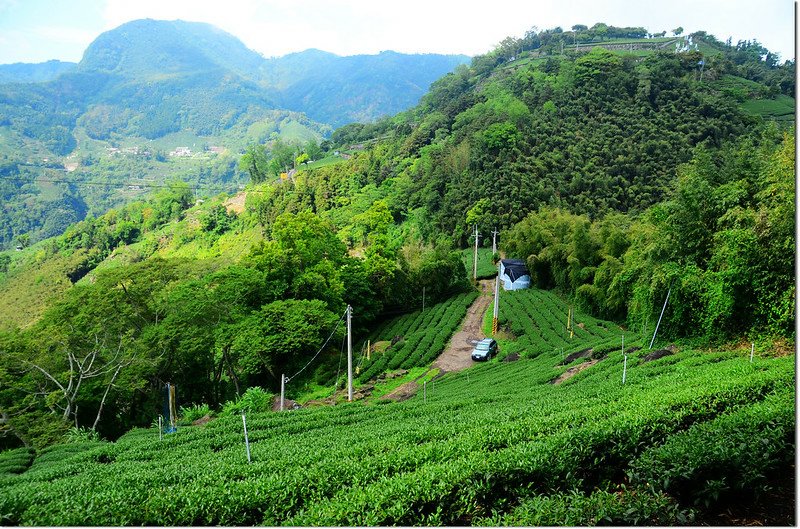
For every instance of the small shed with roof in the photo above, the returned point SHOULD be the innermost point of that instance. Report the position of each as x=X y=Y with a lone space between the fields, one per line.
x=514 y=274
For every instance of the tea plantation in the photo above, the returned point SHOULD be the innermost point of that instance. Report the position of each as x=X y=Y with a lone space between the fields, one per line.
x=496 y=444
x=422 y=336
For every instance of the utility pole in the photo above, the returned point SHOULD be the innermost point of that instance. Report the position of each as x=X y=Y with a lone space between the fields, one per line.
x=496 y=300
x=475 y=258
x=349 y=357
x=283 y=388
x=494 y=241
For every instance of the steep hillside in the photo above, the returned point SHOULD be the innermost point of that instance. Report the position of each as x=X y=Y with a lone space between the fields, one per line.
x=172 y=98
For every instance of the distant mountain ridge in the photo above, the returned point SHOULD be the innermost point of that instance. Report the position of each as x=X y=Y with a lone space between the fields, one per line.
x=22 y=72
x=158 y=61
x=151 y=86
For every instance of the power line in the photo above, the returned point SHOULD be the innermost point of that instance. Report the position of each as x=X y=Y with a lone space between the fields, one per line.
x=129 y=184
x=320 y=349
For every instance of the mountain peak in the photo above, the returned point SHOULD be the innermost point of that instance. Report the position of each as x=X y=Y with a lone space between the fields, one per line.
x=148 y=46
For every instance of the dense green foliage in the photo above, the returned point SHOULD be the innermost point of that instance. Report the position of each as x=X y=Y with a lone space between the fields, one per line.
x=494 y=445
x=137 y=317
x=724 y=243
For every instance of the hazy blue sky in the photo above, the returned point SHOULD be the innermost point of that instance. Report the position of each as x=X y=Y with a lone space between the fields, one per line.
x=38 y=30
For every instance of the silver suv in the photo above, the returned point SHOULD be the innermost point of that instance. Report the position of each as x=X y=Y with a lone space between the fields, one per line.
x=485 y=349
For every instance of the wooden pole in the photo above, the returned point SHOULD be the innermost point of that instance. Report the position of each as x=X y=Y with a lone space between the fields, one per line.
x=349 y=357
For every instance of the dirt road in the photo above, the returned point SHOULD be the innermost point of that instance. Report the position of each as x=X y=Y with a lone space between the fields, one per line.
x=456 y=356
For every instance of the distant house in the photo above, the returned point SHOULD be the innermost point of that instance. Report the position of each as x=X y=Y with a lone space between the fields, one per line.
x=514 y=274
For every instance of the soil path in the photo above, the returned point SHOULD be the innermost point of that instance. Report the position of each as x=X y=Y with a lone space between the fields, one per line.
x=456 y=356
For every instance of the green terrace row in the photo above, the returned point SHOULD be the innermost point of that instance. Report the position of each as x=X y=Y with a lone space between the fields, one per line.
x=423 y=336
x=488 y=444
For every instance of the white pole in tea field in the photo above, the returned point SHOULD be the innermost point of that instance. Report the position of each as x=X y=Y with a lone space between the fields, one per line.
x=659 y=318
x=752 y=350
x=349 y=356
x=283 y=388
x=494 y=241
x=424 y=391
x=160 y=427
x=246 y=440
x=625 y=361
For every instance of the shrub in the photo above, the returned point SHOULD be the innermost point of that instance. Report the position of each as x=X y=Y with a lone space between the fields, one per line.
x=194 y=412
x=81 y=435
x=255 y=399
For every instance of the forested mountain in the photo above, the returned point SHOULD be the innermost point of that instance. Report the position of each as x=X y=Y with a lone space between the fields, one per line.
x=150 y=96
x=33 y=73
x=620 y=177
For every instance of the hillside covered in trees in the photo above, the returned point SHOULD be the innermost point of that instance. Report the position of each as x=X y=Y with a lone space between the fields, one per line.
x=620 y=177
x=153 y=100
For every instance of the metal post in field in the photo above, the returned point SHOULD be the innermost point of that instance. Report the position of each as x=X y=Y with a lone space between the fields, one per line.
x=496 y=301
x=160 y=427
x=246 y=440
x=659 y=318
x=424 y=391
x=625 y=361
x=752 y=350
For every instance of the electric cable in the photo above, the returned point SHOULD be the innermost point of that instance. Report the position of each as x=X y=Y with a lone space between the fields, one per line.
x=320 y=349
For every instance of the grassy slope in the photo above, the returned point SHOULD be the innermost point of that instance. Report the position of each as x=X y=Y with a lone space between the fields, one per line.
x=33 y=285
x=37 y=278
x=494 y=444
x=486 y=268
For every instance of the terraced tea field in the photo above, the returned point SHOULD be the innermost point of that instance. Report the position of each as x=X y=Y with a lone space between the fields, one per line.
x=687 y=436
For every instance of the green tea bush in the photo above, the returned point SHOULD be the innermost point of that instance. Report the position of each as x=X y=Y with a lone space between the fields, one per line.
x=622 y=508
x=732 y=455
